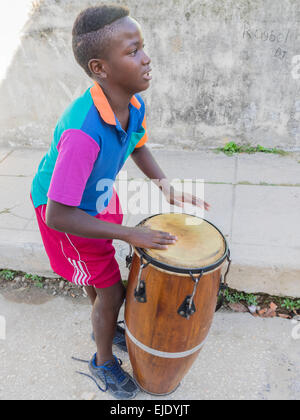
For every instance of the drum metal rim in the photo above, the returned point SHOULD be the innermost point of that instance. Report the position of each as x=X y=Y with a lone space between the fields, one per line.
x=183 y=270
x=182 y=274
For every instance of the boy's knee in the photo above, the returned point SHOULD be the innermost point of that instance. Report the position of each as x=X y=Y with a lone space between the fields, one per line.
x=119 y=298
x=114 y=296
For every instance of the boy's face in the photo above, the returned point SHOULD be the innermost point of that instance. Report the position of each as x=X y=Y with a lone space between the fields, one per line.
x=126 y=65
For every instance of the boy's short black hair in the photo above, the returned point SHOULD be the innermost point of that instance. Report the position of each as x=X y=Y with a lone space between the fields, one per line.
x=91 y=33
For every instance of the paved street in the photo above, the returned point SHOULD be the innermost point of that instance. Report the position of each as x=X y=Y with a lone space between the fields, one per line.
x=243 y=358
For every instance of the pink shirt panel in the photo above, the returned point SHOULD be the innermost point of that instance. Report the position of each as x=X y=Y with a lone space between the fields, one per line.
x=77 y=153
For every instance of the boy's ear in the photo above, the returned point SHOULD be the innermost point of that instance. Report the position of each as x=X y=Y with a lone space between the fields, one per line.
x=97 y=68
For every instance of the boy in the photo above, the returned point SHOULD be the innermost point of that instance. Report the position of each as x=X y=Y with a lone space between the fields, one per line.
x=91 y=142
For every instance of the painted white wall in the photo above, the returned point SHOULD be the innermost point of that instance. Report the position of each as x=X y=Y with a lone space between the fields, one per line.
x=222 y=71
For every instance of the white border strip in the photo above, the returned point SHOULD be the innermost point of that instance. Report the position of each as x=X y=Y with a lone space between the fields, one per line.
x=163 y=354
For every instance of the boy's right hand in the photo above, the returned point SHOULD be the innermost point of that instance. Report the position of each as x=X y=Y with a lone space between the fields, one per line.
x=143 y=237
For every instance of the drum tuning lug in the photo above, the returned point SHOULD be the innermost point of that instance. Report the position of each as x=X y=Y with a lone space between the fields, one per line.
x=140 y=292
x=128 y=261
x=187 y=308
x=221 y=294
x=129 y=257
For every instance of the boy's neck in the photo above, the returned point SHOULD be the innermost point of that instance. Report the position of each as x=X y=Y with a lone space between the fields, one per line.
x=117 y=98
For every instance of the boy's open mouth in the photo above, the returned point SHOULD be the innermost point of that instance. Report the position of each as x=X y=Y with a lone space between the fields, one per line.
x=147 y=75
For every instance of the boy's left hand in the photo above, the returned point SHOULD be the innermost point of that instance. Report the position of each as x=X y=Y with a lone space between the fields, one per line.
x=178 y=198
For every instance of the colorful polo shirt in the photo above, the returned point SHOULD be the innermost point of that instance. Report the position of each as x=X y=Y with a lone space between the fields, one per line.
x=88 y=150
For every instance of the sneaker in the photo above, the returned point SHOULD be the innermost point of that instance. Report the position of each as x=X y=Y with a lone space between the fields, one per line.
x=118 y=382
x=119 y=338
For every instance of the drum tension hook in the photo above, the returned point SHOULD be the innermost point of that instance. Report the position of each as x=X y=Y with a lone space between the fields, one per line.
x=221 y=294
x=129 y=258
x=229 y=260
x=187 y=308
x=140 y=291
x=223 y=285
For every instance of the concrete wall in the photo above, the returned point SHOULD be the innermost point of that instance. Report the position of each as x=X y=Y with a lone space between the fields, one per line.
x=223 y=70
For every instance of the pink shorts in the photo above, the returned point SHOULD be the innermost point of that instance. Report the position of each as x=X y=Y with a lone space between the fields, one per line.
x=83 y=261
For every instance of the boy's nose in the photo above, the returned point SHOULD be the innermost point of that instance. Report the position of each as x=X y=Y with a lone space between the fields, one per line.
x=146 y=59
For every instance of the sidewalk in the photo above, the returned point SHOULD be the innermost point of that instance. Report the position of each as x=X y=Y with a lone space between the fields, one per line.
x=255 y=202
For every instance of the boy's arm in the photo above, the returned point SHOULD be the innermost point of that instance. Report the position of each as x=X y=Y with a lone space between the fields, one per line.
x=77 y=153
x=144 y=159
x=77 y=222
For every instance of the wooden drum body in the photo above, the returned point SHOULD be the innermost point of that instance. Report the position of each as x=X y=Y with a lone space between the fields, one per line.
x=165 y=331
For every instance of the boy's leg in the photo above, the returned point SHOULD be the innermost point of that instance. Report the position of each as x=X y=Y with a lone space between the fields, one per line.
x=91 y=292
x=104 y=366
x=104 y=319
x=119 y=338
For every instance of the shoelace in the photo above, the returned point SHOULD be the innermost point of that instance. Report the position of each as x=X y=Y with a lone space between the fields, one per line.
x=89 y=376
x=116 y=370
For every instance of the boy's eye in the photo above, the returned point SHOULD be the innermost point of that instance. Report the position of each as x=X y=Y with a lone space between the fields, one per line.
x=134 y=52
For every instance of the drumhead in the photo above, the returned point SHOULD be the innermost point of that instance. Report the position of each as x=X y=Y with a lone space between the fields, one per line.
x=200 y=246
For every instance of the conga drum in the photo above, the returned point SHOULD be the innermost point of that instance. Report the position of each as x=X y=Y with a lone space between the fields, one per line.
x=171 y=300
